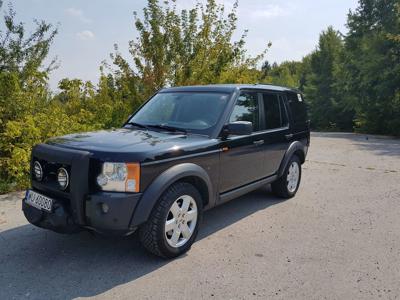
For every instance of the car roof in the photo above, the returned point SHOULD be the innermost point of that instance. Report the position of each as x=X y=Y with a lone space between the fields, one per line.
x=228 y=88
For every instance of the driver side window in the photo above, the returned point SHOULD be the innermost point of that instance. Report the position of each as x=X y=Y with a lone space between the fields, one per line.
x=246 y=109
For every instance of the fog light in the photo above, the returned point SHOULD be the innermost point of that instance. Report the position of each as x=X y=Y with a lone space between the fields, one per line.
x=105 y=208
x=38 y=171
x=62 y=178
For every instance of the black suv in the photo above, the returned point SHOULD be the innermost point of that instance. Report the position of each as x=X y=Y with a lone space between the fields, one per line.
x=186 y=150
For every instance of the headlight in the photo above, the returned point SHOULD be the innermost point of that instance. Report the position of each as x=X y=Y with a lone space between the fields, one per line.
x=119 y=177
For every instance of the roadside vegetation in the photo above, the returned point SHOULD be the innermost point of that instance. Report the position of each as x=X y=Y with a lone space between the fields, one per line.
x=351 y=82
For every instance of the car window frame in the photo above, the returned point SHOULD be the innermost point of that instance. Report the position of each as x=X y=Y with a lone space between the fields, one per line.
x=281 y=101
x=259 y=93
x=282 y=96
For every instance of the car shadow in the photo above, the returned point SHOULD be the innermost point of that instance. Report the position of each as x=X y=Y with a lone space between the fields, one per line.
x=40 y=264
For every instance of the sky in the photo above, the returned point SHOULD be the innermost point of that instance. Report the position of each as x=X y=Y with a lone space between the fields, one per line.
x=88 y=29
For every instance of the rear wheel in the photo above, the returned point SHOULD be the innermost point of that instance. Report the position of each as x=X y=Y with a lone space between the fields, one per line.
x=174 y=221
x=288 y=184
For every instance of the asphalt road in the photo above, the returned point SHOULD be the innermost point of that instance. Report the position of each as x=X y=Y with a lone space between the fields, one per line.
x=338 y=239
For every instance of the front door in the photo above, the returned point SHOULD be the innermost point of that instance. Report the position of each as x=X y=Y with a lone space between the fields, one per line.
x=242 y=160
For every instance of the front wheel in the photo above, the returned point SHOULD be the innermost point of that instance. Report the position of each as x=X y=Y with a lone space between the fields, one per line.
x=288 y=184
x=174 y=221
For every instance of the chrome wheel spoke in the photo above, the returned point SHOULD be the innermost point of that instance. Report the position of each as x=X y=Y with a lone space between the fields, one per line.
x=186 y=232
x=186 y=203
x=191 y=215
x=175 y=236
x=170 y=225
x=175 y=209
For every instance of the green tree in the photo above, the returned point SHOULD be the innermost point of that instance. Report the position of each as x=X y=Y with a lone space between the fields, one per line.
x=326 y=103
x=189 y=47
x=21 y=65
x=372 y=65
x=23 y=91
x=288 y=73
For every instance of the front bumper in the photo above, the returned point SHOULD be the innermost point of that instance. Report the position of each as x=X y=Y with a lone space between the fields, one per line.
x=116 y=219
x=80 y=206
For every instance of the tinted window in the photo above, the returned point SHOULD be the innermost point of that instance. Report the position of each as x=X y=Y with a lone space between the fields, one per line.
x=275 y=114
x=197 y=112
x=272 y=112
x=298 y=108
x=246 y=109
x=284 y=113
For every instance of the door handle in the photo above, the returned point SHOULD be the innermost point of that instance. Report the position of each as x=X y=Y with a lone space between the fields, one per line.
x=259 y=143
x=288 y=136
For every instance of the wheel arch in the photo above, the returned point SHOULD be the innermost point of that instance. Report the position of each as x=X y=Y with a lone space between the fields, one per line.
x=186 y=172
x=200 y=185
x=296 y=148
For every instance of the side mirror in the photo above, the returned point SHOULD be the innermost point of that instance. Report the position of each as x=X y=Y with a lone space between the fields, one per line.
x=238 y=128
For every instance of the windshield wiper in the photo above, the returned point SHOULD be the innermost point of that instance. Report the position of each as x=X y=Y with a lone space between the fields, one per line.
x=137 y=125
x=168 y=128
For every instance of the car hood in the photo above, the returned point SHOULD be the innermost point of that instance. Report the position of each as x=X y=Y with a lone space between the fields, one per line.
x=142 y=144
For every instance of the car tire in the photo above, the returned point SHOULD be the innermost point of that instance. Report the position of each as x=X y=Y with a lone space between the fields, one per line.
x=288 y=185
x=174 y=222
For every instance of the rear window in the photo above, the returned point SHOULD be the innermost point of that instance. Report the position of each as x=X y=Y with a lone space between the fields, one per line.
x=274 y=111
x=297 y=107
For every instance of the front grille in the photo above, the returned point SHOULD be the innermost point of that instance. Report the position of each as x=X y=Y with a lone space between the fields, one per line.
x=76 y=162
x=50 y=169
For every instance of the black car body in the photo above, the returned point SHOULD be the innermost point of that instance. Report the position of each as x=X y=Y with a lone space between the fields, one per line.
x=258 y=130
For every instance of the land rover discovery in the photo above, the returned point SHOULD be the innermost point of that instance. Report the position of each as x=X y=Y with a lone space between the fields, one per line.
x=185 y=150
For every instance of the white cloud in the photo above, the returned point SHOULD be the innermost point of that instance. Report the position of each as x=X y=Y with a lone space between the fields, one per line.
x=272 y=11
x=85 y=35
x=77 y=13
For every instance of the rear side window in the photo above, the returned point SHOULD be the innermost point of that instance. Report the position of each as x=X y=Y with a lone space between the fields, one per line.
x=246 y=109
x=275 y=115
x=284 y=113
x=298 y=108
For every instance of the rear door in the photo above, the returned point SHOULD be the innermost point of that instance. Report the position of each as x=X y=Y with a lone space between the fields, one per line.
x=275 y=126
x=298 y=111
x=300 y=123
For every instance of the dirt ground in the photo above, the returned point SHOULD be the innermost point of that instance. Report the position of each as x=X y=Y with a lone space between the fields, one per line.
x=339 y=238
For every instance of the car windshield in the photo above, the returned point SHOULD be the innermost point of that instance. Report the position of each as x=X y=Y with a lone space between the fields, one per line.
x=196 y=112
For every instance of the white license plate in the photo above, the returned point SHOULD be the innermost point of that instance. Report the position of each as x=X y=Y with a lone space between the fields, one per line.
x=39 y=201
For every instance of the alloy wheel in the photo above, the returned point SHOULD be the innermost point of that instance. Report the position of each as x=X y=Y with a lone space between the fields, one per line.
x=181 y=221
x=293 y=177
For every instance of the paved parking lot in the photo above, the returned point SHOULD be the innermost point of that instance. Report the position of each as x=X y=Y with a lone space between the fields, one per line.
x=338 y=239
